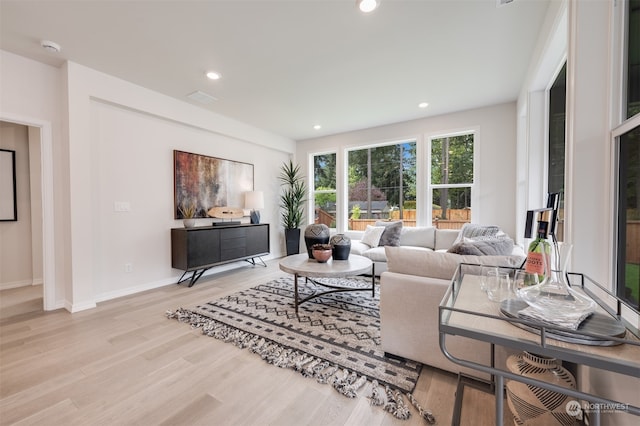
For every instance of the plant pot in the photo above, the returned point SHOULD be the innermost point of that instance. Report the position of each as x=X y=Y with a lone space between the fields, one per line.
x=317 y=233
x=189 y=223
x=341 y=246
x=321 y=256
x=292 y=240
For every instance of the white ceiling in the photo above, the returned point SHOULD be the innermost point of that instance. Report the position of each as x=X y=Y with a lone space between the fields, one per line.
x=288 y=65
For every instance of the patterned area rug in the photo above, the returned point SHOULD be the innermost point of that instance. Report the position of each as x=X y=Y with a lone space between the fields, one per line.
x=334 y=338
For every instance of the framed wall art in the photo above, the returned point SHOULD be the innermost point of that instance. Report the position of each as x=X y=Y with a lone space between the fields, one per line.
x=8 y=202
x=202 y=182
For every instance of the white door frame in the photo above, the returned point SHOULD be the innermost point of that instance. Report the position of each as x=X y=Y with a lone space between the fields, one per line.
x=48 y=234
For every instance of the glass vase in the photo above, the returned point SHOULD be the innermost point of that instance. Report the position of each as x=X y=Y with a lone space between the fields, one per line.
x=554 y=297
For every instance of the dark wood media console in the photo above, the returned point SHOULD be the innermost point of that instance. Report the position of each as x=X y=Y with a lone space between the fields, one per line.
x=200 y=248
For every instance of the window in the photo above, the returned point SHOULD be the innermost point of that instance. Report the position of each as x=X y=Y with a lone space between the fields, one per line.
x=451 y=180
x=629 y=217
x=324 y=189
x=627 y=143
x=556 y=160
x=382 y=184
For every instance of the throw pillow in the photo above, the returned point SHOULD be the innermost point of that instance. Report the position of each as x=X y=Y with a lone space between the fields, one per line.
x=471 y=230
x=372 y=235
x=391 y=234
x=484 y=246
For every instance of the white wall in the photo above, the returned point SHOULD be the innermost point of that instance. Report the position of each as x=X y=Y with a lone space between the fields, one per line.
x=495 y=140
x=31 y=95
x=132 y=161
x=112 y=141
x=121 y=138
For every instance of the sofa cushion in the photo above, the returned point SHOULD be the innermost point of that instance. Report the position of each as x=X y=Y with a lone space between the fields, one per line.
x=418 y=236
x=484 y=246
x=358 y=247
x=472 y=230
x=372 y=235
x=376 y=254
x=427 y=263
x=445 y=238
x=391 y=234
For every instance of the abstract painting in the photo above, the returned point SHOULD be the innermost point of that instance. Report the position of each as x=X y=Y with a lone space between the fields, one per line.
x=202 y=182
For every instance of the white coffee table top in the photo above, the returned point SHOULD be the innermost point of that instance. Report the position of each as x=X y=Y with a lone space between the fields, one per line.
x=301 y=265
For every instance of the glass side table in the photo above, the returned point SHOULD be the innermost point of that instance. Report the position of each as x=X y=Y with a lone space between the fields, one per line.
x=466 y=311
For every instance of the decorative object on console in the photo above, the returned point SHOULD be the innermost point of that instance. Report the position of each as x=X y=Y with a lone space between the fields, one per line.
x=207 y=182
x=317 y=233
x=188 y=212
x=254 y=200
x=535 y=406
x=321 y=252
x=226 y=213
x=292 y=201
x=341 y=246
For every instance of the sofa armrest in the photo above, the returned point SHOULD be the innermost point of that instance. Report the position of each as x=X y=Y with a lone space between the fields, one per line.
x=409 y=324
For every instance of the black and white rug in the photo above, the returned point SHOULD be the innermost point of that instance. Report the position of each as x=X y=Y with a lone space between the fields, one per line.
x=334 y=338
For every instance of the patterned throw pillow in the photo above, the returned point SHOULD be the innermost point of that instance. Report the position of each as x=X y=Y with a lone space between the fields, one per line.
x=484 y=246
x=372 y=235
x=471 y=230
x=391 y=234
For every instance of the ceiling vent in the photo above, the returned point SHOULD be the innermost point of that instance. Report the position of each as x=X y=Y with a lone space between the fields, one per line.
x=500 y=3
x=201 y=97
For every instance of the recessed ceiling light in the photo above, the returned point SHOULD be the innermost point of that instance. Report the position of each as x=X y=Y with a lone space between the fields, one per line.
x=317 y=127
x=423 y=105
x=367 y=5
x=212 y=75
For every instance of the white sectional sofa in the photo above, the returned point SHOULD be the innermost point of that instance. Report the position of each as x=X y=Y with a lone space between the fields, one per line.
x=410 y=293
x=413 y=279
x=427 y=238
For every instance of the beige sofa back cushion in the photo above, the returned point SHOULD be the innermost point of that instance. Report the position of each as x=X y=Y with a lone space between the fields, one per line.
x=423 y=263
x=445 y=238
x=418 y=236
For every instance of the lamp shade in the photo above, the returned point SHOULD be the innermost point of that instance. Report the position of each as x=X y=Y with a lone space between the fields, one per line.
x=254 y=200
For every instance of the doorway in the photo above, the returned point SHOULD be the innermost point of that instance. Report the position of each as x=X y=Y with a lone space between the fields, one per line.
x=40 y=143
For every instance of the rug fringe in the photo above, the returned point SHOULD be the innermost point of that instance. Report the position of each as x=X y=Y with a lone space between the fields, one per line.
x=346 y=382
x=425 y=414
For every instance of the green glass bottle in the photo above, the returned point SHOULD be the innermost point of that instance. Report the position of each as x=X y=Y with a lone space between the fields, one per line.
x=539 y=253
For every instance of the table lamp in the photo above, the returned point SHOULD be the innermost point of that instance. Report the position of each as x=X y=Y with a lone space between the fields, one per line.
x=254 y=200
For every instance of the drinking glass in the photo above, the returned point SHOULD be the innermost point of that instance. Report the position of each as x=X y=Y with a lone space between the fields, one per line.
x=484 y=276
x=498 y=285
x=524 y=279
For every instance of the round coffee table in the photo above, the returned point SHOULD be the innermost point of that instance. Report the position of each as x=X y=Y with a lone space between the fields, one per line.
x=301 y=266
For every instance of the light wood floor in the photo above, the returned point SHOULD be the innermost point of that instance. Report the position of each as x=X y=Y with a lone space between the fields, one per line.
x=124 y=363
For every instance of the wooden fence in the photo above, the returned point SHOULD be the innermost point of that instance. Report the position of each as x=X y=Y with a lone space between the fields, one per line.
x=633 y=241
x=361 y=224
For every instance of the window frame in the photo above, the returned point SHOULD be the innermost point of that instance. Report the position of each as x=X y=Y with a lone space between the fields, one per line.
x=344 y=209
x=312 y=188
x=430 y=187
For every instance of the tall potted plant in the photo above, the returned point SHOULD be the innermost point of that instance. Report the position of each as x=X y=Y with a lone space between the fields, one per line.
x=292 y=201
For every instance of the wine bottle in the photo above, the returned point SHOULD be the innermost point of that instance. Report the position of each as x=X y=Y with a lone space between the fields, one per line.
x=539 y=253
